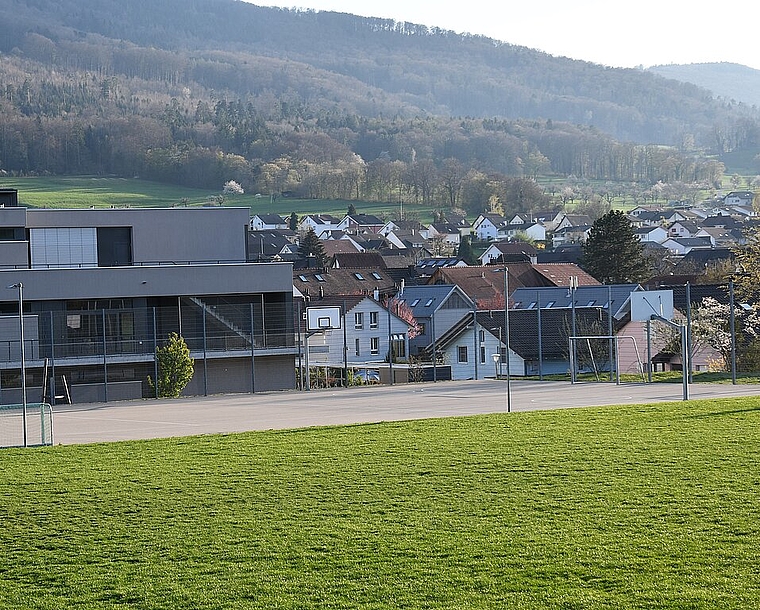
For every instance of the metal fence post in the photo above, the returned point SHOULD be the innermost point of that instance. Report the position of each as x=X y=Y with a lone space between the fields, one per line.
x=155 y=352
x=205 y=349
x=253 y=356
x=105 y=362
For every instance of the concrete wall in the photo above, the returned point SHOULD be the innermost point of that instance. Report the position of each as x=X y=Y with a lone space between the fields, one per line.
x=163 y=234
x=233 y=375
x=14 y=254
x=136 y=282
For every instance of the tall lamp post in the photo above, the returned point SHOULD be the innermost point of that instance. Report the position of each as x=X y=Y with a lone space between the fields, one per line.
x=506 y=335
x=20 y=288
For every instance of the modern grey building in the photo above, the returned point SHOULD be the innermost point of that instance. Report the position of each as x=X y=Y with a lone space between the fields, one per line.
x=102 y=288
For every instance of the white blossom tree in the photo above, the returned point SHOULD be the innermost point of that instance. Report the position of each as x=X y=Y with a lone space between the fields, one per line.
x=232 y=188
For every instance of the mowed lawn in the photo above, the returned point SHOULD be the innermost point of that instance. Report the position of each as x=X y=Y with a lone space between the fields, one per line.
x=620 y=507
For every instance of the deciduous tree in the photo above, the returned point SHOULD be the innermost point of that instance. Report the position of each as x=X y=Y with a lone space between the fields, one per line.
x=175 y=367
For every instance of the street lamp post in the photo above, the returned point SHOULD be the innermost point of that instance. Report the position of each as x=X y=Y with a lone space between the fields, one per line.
x=20 y=288
x=506 y=336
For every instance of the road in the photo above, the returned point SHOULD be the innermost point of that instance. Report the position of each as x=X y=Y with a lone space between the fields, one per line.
x=144 y=419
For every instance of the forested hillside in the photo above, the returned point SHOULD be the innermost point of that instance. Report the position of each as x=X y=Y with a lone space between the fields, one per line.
x=331 y=105
x=726 y=80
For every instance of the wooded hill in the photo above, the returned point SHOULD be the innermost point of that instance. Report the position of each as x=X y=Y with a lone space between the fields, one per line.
x=331 y=105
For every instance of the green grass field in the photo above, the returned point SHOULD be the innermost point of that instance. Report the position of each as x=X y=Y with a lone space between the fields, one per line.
x=620 y=507
x=99 y=192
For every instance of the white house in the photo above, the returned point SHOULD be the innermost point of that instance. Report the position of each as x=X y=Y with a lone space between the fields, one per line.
x=684 y=245
x=369 y=330
x=651 y=234
x=739 y=198
x=267 y=222
x=319 y=223
x=486 y=226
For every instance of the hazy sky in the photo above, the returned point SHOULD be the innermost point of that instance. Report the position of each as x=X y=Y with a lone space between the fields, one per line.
x=608 y=32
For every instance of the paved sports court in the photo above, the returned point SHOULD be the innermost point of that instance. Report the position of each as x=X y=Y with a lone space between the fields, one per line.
x=280 y=410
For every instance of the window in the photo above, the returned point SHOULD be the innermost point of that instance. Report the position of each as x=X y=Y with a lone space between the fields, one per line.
x=482 y=336
x=357 y=348
x=482 y=354
x=590 y=303
x=303 y=278
x=319 y=278
x=373 y=319
x=374 y=346
x=414 y=303
x=429 y=302
x=359 y=320
x=550 y=304
x=532 y=305
x=359 y=276
x=421 y=328
x=376 y=275
x=462 y=353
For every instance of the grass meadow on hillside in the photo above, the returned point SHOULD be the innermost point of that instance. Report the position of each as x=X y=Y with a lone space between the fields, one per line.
x=648 y=506
x=105 y=192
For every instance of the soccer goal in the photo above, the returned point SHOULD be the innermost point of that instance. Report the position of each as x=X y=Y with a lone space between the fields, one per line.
x=588 y=352
x=35 y=431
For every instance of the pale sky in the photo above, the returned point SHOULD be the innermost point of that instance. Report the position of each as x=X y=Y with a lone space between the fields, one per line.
x=608 y=32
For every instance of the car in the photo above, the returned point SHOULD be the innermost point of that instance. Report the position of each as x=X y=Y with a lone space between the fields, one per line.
x=368 y=375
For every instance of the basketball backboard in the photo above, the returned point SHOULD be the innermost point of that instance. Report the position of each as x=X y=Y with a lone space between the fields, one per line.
x=648 y=303
x=322 y=318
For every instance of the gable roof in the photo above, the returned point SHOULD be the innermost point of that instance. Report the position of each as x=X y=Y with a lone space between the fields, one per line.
x=358 y=260
x=484 y=284
x=584 y=296
x=322 y=283
x=523 y=329
x=427 y=298
x=271 y=219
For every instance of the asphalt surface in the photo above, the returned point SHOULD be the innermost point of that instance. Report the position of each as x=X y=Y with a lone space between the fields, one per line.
x=144 y=419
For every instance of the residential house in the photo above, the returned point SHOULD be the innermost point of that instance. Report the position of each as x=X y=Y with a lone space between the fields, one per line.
x=739 y=198
x=503 y=251
x=318 y=284
x=538 y=343
x=445 y=233
x=436 y=308
x=655 y=234
x=683 y=228
x=485 y=285
x=360 y=223
x=319 y=223
x=281 y=244
x=487 y=226
x=334 y=247
x=572 y=234
x=267 y=222
x=367 y=331
x=681 y=246
x=104 y=287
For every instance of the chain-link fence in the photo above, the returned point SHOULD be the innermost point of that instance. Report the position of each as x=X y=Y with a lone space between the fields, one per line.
x=114 y=348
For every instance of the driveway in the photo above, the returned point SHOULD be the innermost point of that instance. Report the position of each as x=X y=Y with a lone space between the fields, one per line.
x=132 y=420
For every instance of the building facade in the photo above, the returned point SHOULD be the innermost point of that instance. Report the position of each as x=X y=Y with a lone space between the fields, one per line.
x=102 y=289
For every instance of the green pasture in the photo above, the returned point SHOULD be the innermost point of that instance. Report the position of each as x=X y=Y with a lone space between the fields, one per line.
x=647 y=506
x=105 y=192
x=91 y=191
